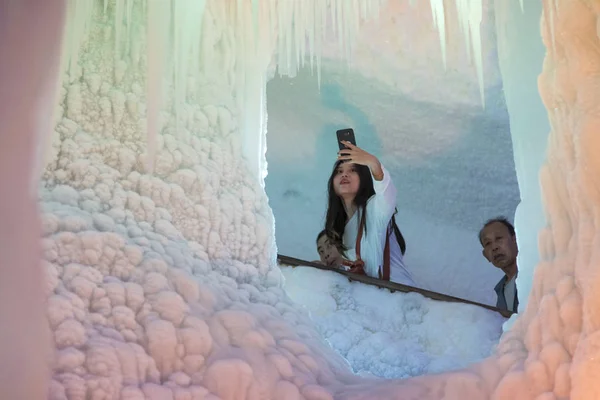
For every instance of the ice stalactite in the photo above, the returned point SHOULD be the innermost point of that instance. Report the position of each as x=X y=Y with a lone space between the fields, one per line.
x=474 y=22
x=256 y=43
x=119 y=11
x=158 y=25
x=518 y=38
x=79 y=18
x=550 y=10
x=439 y=20
x=187 y=34
x=462 y=8
x=295 y=28
x=303 y=26
x=470 y=13
x=300 y=28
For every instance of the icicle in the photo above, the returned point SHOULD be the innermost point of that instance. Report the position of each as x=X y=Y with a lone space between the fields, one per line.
x=303 y=26
x=298 y=35
x=179 y=15
x=522 y=6
x=313 y=17
x=353 y=33
x=119 y=5
x=304 y=22
x=158 y=20
x=462 y=8
x=128 y=17
x=475 y=16
x=255 y=21
x=186 y=44
x=196 y=42
x=550 y=18
x=470 y=13
x=437 y=9
x=340 y=24
x=79 y=16
x=321 y=24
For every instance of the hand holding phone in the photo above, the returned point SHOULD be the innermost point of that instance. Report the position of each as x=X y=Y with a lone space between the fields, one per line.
x=345 y=135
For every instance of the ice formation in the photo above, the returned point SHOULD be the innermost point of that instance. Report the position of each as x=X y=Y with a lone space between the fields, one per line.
x=163 y=286
x=400 y=339
x=529 y=125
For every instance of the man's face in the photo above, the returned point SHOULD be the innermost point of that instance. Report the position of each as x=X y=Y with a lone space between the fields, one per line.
x=328 y=253
x=499 y=246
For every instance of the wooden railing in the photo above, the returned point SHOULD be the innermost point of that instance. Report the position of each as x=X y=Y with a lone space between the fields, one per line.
x=391 y=286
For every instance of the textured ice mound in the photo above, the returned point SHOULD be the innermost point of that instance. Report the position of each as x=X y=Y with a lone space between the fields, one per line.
x=392 y=335
x=148 y=293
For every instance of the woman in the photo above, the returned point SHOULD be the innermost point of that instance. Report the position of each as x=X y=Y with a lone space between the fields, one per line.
x=362 y=204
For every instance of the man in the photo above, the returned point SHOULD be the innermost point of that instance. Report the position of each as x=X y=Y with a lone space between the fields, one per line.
x=500 y=248
x=328 y=251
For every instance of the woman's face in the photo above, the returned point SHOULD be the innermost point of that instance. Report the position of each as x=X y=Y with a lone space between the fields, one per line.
x=346 y=180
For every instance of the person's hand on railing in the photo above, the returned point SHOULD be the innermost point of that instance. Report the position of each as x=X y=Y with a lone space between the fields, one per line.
x=358 y=268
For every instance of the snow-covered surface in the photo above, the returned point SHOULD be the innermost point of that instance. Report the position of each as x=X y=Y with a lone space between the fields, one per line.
x=164 y=286
x=451 y=161
x=392 y=335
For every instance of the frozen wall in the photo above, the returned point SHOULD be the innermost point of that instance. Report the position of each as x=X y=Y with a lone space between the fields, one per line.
x=138 y=309
x=529 y=125
x=164 y=285
x=450 y=158
x=558 y=331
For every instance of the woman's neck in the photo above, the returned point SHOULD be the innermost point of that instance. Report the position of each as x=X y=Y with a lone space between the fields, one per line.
x=349 y=207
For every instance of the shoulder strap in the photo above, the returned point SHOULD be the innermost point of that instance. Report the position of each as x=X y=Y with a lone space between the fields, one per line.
x=358 y=265
x=359 y=234
x=384 y=272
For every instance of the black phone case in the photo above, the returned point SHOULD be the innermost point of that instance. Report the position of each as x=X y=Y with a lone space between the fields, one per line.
x=345 y=135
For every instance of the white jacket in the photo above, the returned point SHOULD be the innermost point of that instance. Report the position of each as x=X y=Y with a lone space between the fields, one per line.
x=380 y=209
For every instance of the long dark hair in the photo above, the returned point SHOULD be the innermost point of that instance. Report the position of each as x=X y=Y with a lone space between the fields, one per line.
x=336 y=218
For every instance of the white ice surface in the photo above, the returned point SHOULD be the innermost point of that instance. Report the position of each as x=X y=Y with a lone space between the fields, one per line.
x=392 y=335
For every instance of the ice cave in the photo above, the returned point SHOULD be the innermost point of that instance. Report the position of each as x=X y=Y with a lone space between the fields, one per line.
x=155 y=155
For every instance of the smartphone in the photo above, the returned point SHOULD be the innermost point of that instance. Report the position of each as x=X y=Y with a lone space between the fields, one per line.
x=345 y=135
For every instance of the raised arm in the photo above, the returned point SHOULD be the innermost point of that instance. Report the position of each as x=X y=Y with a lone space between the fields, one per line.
x=383 y=203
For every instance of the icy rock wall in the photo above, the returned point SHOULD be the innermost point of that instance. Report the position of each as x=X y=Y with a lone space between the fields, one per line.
x=566 y=281
x=520 y=39
x=553 y=345
x=158 y=240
